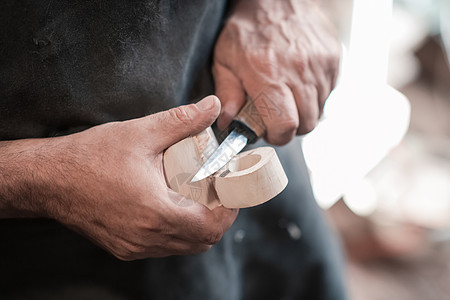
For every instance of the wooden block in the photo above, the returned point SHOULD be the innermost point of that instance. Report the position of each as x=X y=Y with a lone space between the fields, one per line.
x=251 y=178
x=182 y=161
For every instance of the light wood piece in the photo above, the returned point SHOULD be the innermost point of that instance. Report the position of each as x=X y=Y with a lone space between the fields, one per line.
x=251 y=178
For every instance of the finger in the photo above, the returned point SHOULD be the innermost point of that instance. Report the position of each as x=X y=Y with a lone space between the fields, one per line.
x=196 y=223
x=230 y=92
x=166 y=247
x=323 y=91
x=226 y=216
x=182 y=247
x=180 y=122
x=323 y=82
x=174 y=246
x=276 y=106
x=334 y=75
x=334 y=66
x=306 y=97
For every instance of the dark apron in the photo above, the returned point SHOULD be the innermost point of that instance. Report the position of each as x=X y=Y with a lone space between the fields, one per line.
x=68 y=65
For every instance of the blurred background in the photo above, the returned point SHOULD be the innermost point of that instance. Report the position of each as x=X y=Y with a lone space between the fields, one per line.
x=380 y=158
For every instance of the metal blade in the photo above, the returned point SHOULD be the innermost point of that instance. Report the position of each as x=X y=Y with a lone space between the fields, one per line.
x=231 y=146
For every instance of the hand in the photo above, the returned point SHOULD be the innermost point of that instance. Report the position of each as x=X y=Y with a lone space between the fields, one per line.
x=284 y=56
x=108 y=184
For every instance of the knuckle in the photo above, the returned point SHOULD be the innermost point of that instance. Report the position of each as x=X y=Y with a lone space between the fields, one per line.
x=231 y=216
x=283 y=133
x=266 y=61
x=260 y=54
x=302 y=54
x=181 y=114
x=307 y=125
x=157 y=224
x=213 y=237
x=301 y=61
x=301 y=65
x=289 y=126
x=188 y=116
x=279 y=140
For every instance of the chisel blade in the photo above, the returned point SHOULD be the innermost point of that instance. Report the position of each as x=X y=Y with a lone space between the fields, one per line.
x=231 y=146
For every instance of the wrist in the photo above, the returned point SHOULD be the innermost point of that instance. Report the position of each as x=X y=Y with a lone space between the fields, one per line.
x=25 y=177
x=264 y=16
x=278 y=9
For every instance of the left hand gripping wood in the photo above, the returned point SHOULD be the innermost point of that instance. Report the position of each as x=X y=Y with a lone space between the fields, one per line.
x=251 y=178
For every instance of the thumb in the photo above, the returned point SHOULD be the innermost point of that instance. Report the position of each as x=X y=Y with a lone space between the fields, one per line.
x=178 y=123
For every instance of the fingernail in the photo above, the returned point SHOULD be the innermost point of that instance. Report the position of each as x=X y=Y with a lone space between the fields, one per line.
x=207 y=103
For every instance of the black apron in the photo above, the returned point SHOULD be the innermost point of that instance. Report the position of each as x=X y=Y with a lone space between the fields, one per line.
x=69 y=65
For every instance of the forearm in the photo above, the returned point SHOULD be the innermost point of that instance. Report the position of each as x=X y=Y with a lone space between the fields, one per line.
x=107 y=183
x=24 y=178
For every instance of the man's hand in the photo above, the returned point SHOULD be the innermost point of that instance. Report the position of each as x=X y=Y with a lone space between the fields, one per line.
x=108 y=184
x=283 y=54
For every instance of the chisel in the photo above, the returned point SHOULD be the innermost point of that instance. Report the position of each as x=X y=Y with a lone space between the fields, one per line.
x=245 y=128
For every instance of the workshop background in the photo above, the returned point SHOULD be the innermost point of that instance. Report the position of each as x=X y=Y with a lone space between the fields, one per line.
x=388 y=196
